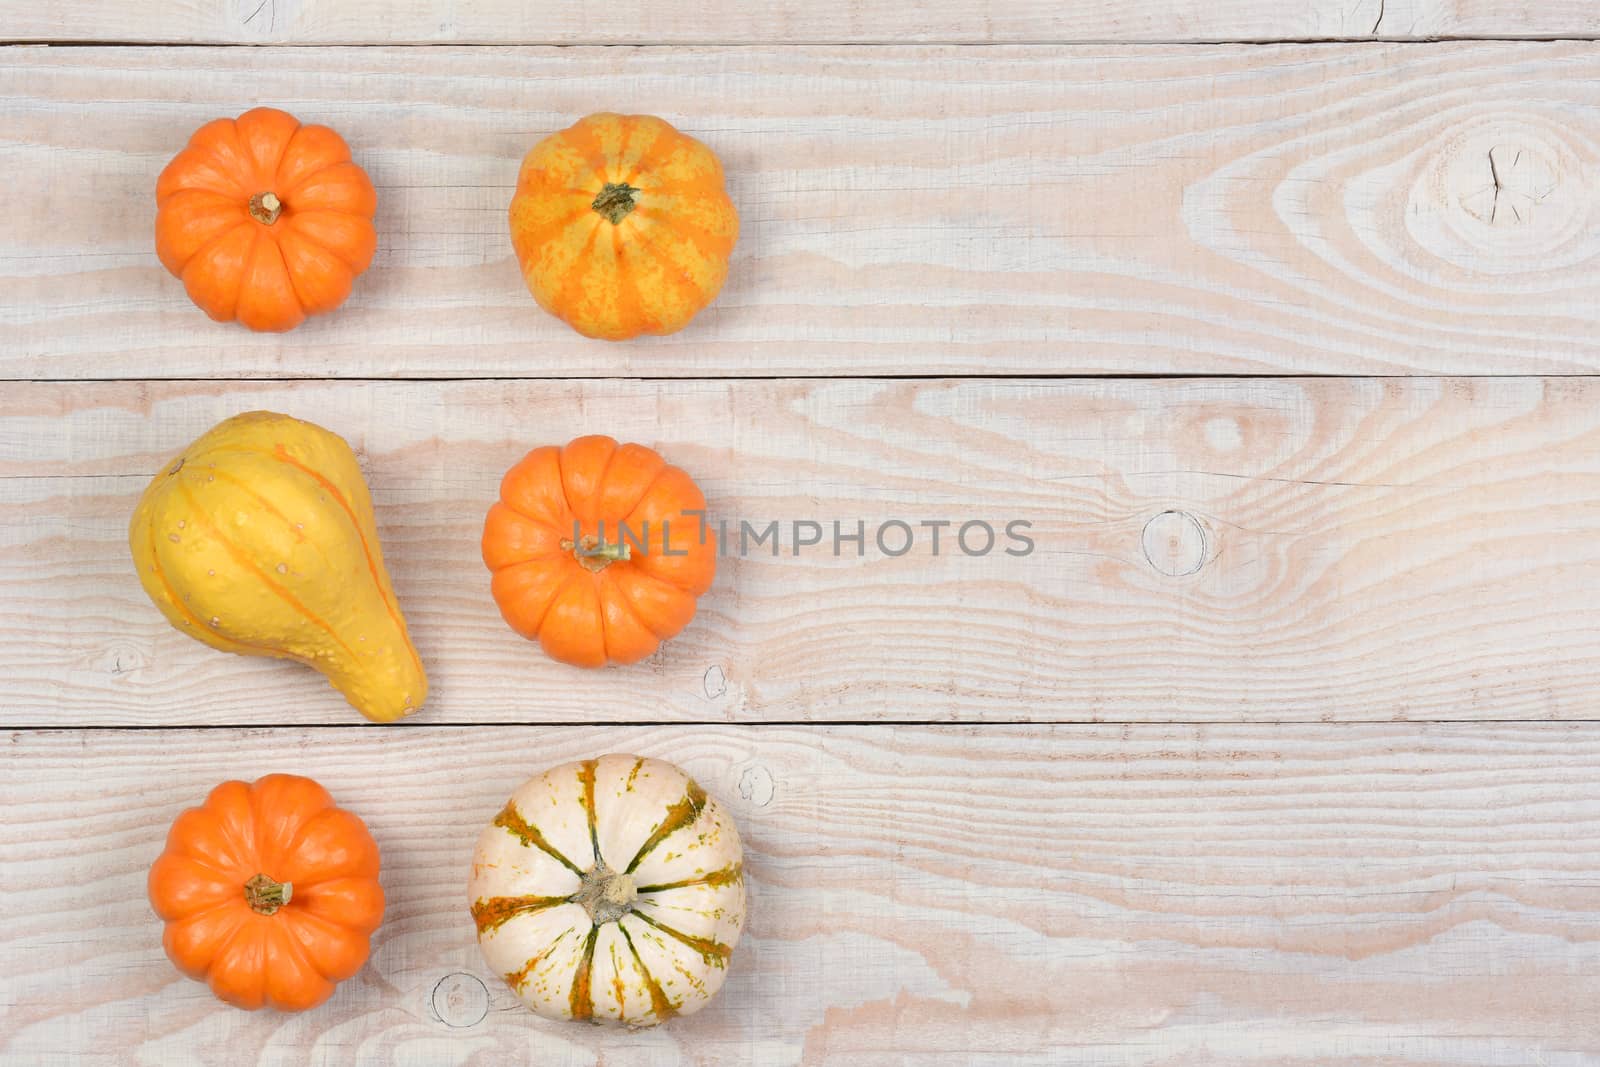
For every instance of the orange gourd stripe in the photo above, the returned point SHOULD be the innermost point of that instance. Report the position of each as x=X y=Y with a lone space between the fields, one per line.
x=519 y=977
x=628 y=295
x=549 y=230
x=700 y=237
x=725 y=876
x=511 y=820
x=282 y=455
x=664 y=1009
x=491 y=913
x=575 y=279
x=583 y=139
x=243 y=560
x=711 y=950
x=664 y=144
x=195 y=620
x=266 y=505
x=619 y=988
x=586 y=776
x=669 y=270
x=582 y=994
x=678 y=816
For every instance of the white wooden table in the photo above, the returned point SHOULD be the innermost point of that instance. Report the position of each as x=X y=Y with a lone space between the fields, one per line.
x=1280 y=323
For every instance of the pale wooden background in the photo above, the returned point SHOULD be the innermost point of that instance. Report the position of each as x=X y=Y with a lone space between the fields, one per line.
x=1278 y=321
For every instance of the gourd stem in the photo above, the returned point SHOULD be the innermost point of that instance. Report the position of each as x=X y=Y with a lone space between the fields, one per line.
x=596 y=554
x=265 y=208
x=611 y=553
x=615 y=202
x=605 y=894
x=265 y=895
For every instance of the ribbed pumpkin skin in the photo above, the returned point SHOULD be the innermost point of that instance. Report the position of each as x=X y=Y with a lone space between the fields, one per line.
x=610 y=891
x=595 y=613
x=653 y=269
x=286 y=956
x=259 y=539
x=268 y=267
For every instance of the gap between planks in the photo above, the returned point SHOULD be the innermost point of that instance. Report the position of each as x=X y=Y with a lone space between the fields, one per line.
x=1021 y=377
x=776 y=724
x=954 y=42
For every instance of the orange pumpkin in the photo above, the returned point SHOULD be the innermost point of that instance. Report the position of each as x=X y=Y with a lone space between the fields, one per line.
x=598 y=550
x=269 y=893
x=622 y=226
x=265 y=220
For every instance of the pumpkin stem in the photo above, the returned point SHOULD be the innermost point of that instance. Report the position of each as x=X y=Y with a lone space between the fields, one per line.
x=596 y=554
x=265 y=208
x=605 y=894
x=266 y=896
x=614 y=202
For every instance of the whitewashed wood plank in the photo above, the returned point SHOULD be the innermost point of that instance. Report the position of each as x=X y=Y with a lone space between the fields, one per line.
x=905 y=210
x=1086 y=896
x=1205 y=550
x=790 y=21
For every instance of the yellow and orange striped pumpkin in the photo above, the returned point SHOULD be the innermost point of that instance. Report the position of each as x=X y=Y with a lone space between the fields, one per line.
x=259 y=539
x=622 y=226
x=610 y=890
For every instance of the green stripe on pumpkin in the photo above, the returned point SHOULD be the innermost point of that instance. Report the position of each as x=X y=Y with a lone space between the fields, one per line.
x=512 y=821
x=491 y=913
x=664 y=1009
x=582 y=991
x=586 y=771
x=681 y=814
x=712 y=951
x=726 y=876
x=518 y=978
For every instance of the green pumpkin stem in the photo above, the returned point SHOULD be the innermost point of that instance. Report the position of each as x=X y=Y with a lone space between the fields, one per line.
x=265 y=896
x=615 y=202
x=596 y=554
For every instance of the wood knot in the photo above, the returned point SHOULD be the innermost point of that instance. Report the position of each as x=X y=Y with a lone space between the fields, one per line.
x=460 y=1000
x=715 y=682
x=1505 y=193
x=1520 y=179
x=756 y=786
x=1174 y=543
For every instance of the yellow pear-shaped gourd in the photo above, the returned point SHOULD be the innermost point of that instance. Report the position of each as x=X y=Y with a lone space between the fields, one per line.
x=259 y=539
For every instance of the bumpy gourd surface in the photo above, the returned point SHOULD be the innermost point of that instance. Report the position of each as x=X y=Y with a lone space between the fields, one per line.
x=610 y=890
x=259 y=539
x=622 y=226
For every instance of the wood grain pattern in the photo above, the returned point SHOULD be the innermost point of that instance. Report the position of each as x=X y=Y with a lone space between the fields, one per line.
x=1347 y=209
x=786 y=22
x=1204 y=550
x=1151 y=895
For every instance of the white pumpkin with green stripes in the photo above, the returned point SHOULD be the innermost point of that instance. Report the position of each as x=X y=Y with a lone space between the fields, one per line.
x=610 y=890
